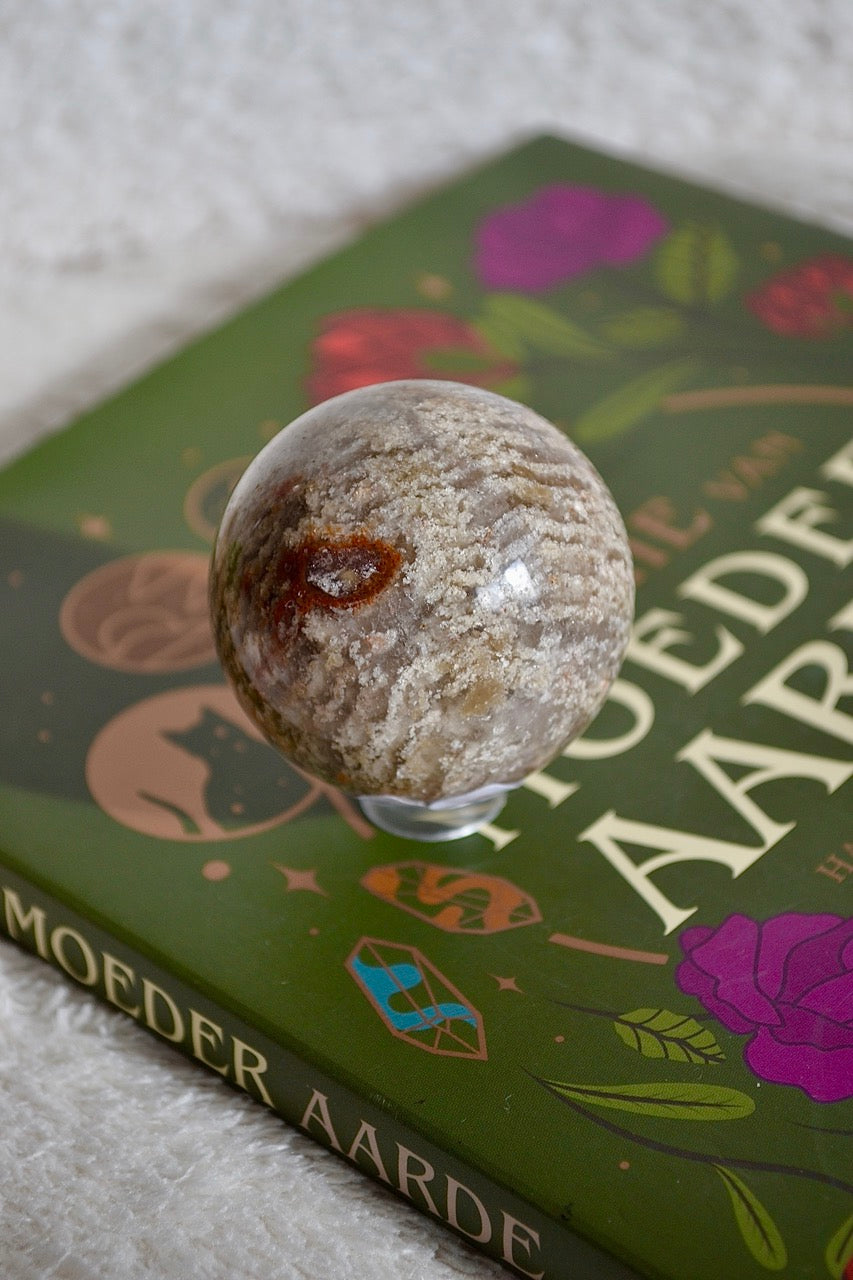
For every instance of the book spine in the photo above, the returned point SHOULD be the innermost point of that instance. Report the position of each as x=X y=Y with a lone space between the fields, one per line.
x=479 y=1210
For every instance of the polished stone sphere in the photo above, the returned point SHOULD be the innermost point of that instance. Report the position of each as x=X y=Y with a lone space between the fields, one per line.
x=422 y=590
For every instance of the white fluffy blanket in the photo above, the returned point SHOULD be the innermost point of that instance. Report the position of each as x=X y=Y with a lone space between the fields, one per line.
x=161 y=163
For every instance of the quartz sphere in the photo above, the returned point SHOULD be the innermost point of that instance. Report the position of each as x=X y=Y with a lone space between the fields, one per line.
x=421 y=590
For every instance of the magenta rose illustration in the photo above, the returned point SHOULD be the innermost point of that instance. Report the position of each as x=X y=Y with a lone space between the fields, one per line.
x=788 y=984
x=561 y=232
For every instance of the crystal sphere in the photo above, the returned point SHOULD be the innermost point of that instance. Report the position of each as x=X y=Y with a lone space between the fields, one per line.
x=421 y=590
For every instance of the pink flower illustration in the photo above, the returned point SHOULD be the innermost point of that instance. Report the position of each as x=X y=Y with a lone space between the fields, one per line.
x=787 y=983
x=561 y=232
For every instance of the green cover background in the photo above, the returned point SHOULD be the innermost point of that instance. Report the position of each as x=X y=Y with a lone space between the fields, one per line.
x=246 y=944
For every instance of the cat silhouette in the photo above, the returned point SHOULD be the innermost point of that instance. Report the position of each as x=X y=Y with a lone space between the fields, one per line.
x=247 y=782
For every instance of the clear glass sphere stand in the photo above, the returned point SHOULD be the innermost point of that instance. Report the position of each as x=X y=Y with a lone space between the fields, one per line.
x=449 y=819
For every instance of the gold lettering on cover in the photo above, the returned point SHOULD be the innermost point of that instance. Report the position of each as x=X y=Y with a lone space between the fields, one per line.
x=317 y=1112
x=674 y=846
x=768 y=764
x=365 y=1141
x=59 y=938
x=651 y=555
x=726 y=488
x=641 y=707
x=796 y=519
x=516 y=1233
x=119 y=981
x=408 y=1174
x=250 y=1065
x=835 y=867
x=704 y=587
x=654 y=634
x=550 y=789
x=840 y=466
x=843 y=620
x=80 y=961
x=205 y=1035
x=498 y=836
x=484 y=1234
x=746 y=471
x=655 y=518
x=152 y=996
x=821 y=713
x=19 y=921
x=776 y=444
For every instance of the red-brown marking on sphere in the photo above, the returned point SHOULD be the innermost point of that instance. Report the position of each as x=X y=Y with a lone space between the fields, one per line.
x=330 y=574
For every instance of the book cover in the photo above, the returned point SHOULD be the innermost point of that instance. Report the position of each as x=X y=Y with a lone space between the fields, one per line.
x=612 y=1032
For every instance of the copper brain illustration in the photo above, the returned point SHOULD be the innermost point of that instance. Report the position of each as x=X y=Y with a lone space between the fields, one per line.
x=421 y=589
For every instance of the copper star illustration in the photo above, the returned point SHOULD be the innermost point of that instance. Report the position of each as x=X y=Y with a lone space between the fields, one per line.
x=506 y=984
x=300 y=880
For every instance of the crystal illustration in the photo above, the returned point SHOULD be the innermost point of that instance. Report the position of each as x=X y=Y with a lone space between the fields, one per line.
x=452 y=898
x=416 y=1001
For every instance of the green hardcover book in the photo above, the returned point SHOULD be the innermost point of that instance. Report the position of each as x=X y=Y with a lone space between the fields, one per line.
x=611 y=1032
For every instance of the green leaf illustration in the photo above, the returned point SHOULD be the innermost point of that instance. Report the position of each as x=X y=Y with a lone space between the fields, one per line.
x=533 y=325
x=633 y=401
x=644 y=326
x=696 y=263
x=839 y=1251
x=842 y=302
x=672 y=1101
x=517 y=388
x=759 y=1231
x=659 y=1033
x=500 y=336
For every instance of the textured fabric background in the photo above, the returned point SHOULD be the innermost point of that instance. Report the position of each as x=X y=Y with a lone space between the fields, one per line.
x=161 y=162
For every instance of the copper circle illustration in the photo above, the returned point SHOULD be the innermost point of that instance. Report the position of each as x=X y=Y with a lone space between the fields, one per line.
x=188 y=765
x=207 y=495
x=143 y=613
